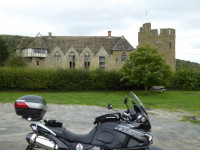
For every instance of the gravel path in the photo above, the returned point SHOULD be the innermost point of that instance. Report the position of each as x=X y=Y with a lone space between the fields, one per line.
x=169 y=133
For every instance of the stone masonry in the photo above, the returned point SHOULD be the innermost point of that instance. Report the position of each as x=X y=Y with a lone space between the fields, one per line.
x=92 y=52
x=164 y=41
x=79 y=52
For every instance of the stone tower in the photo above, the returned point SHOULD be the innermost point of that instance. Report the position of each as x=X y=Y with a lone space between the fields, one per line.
x=164 y=41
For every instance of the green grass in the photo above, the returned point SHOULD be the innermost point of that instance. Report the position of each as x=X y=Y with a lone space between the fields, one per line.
x=186 y=100
x=197 y=122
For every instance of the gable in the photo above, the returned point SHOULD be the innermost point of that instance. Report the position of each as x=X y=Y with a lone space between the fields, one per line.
x=79 y=43
x=123 y=44
x=38 y=42
x=87 y=49
x=102 y=52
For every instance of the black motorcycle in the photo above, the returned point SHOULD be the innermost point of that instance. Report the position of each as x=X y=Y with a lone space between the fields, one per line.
x=116 y=131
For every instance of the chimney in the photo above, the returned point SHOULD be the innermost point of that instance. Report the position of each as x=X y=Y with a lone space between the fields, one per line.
x=109 y=33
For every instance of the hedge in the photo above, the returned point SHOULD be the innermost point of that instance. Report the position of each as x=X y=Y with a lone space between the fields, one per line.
x=60 y=79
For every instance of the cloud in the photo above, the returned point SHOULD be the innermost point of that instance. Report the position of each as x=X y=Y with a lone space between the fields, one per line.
x=90 y=17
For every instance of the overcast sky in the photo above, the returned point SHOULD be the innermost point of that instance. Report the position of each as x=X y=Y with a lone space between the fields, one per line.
x=96 y=17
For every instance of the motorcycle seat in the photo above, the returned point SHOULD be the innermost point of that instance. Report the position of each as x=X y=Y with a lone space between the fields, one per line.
x=67 y=135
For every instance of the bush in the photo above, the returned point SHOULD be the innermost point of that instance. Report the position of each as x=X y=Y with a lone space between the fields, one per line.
x=186 y=79
x=15 y=61
x=61 y=79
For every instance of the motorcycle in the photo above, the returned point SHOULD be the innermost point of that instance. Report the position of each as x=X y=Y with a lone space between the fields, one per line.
x=129 y=130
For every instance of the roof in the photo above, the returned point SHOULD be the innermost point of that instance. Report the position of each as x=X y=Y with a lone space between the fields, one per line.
x=79 y=43
x=123 y=44
x=38 y=42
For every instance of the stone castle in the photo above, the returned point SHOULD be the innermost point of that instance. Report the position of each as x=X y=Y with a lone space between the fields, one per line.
x=92 y=52
x=164 y=41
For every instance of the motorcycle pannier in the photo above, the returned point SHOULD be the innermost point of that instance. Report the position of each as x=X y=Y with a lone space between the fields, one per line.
x=31 y=106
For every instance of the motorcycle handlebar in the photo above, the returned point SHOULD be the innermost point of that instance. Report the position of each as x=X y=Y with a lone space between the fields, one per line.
x=126 y=115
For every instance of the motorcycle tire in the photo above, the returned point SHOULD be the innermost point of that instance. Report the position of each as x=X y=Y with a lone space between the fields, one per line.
x=30 y=147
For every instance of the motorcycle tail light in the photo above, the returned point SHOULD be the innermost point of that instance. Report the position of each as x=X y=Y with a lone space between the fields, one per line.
x=21 y=104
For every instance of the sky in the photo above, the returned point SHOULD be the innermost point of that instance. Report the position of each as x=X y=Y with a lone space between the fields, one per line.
x=97 y=17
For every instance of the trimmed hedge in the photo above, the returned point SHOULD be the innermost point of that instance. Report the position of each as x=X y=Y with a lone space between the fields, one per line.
x=61 y=79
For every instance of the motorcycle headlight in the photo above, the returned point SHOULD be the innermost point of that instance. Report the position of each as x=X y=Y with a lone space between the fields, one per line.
x=143 y=119
x=149 y=137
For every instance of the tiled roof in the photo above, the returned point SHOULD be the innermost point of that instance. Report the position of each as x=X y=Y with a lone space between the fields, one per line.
x=79 y=43
x=123 y=44
x=38 y=42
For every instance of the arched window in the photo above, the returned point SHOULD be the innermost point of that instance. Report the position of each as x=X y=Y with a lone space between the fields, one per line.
x=57 y=57
x=123 y=56
x=87 y=60
x=72 y=60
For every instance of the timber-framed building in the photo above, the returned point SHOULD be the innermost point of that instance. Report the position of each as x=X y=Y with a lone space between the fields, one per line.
x=80 y=52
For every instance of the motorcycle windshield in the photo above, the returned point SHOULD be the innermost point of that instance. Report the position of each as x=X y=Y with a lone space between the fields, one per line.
x=138 y=104
x=136 y=100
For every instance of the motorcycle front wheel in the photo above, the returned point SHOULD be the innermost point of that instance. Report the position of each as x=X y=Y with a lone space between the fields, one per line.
x=30 y=147
x=144 y=149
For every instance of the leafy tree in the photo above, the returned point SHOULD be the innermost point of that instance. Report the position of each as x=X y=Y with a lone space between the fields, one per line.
x=180 y=64
x=187 y=79
x=12 y=41
x=15 y=61
x=3 y=51
x=146 y=67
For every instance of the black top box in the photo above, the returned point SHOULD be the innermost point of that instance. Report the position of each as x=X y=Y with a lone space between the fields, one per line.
x=30 y=106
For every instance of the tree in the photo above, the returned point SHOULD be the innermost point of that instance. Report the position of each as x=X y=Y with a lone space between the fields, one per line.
x=15 y=61
x=146 y=67
x=187 y=79
x=3 y=51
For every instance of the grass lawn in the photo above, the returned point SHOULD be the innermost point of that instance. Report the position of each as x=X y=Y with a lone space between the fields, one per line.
x=186 y=100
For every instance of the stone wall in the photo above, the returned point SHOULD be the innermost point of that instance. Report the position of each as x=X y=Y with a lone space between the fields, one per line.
x=164 y=41
x=112 y=62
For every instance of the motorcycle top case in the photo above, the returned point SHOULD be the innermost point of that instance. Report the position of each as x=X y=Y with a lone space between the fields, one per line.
x=30 y=106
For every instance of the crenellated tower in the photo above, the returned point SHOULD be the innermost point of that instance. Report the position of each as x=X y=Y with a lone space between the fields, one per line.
x=163 y=40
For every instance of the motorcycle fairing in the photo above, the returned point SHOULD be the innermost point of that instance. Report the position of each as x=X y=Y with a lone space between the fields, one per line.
x=136 y=136
x=107 y=137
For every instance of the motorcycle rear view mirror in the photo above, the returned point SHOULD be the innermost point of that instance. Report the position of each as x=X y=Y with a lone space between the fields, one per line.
x=109 y=106
x=125 y=100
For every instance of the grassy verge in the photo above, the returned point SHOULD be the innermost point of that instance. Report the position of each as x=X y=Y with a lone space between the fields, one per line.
x=186 y=100
x=197 y=122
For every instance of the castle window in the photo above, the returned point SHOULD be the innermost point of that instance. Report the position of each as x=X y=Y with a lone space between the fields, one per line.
x=123 y=56
x=57 y=57
x=102 y=62
x=87 y=60
x=72 y=60
x=170 y=45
